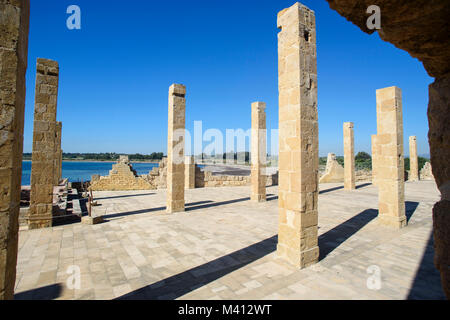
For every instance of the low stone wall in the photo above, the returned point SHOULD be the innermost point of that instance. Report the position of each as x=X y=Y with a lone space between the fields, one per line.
x=208 y=179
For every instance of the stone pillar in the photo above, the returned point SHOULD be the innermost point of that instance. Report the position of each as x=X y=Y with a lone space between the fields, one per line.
x=374 y=160
x=298 y=137
x=349 y=156
x=390 y=169
x=258 y=152
x=413 y=160
x=439 y=139
x=189 y=172
x=57 y=159
x=175 y=148
x=14 y=23
x=44 y=136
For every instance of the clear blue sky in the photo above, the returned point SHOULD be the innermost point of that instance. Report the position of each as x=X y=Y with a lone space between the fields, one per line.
x=115 y=72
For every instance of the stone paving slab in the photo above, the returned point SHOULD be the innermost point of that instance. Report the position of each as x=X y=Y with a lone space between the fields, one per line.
x=224 y=247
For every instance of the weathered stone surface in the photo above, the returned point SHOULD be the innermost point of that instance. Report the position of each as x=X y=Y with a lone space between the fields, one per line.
x=334 y=172
x=175 y=148
x=44 y=144
x=189 y=172
x=439 y=139
x=349 y=156
x=92 y=220
x=374 y=160
x=58 y=155
x=14 y=24
x=413 y=160
x=258 y=152
x=426 y=173
x=121 y=177
x=298 y=137
x=390 y=161
x=422 y=30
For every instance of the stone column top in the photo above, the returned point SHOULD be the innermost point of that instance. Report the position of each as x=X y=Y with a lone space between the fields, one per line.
x=47 y=66
x=261 y=106
x=177 y=90
x=412 y=138
x=349 y=124
x=389 y=93
x=284 y=17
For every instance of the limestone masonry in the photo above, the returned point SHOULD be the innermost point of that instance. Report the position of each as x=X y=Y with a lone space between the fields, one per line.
x=14 y=24
x=390 y=162
x=258 y=152
x=334 y=172
x=44 y=146
x=413 y=160
x=298 y=137
x=349 y=156
x=175 y=148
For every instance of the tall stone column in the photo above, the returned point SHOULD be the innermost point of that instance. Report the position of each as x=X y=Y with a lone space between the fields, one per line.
x=189 y=172
x=413 y=160
x=349 y=156
x=175 y=148
x=57 y=157
x=390 y=169
x=14 y=24
x=258 y=152
x=298 y=137
x=374 y=160
x=44 y=137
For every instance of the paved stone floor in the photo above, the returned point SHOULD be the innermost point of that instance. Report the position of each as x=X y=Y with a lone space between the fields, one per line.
x=224 y=247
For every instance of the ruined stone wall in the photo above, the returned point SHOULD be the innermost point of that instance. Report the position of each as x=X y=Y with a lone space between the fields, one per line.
x=14 y=25
x=121 y=177
x=334 y=172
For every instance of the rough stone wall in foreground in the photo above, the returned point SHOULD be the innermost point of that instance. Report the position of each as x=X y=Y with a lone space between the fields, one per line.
x=14 y=23
x=422 y=28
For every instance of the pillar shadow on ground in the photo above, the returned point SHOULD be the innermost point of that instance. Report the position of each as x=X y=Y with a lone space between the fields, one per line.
x=339 y=234
x=331 y=189
x=124 y=196
x=44 y=293
x=129 y=213
x=410 y=208
x=427 y=281
x=187 y=281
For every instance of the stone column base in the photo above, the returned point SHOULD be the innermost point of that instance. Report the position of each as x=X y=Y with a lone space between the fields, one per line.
x=92 y=220
x=395 y=222
x=299 y=259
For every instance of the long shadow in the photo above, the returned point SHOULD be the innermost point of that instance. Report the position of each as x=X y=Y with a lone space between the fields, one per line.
x=125 y=196
x=331 y=189
x=129 y=213
x=44 y=293
x=427 y=282
x=183 y=283
x=410 y=208
x=363 y=185
x=339 y=234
